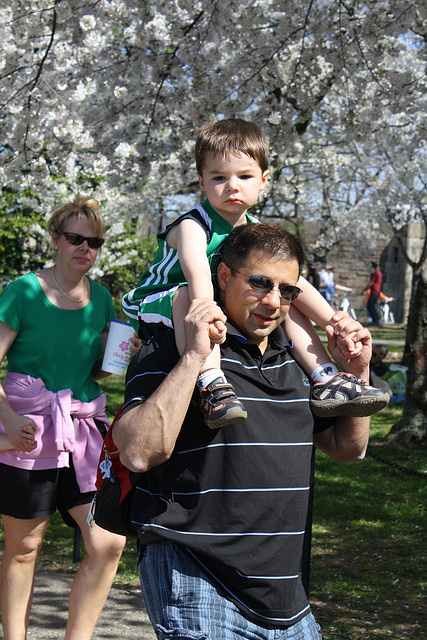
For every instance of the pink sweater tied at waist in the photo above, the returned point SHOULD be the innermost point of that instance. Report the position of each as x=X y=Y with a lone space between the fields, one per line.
x=65 y=425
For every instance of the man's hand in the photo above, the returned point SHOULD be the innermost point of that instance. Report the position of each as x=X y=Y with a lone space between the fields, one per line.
x=338 y=335
x=204 y=326
x=348 y=343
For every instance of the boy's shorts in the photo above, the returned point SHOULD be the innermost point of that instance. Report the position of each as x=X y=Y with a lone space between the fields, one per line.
x=155 y=313
x=38 y=493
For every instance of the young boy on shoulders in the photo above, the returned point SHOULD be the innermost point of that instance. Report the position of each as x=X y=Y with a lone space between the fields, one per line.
x=232 y=166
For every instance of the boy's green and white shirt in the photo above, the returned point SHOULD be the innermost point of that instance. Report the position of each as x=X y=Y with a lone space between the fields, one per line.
x=151 y=300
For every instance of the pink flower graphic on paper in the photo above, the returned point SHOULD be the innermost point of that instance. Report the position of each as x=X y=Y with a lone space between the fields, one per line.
x=124 y=346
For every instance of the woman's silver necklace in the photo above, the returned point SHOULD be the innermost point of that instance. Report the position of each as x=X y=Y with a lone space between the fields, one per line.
x=65 y=294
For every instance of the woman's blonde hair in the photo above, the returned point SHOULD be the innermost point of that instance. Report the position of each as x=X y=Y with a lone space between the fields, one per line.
x=81 y=208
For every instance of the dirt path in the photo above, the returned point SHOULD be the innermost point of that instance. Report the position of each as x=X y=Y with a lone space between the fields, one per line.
x=123 y=617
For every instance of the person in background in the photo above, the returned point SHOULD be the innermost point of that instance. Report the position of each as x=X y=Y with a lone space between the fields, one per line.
x=379 y=352
x=53 y=329
x=327 y=284
x=313 y=276
x=374 y=288
x=383 y=302
x=378 y=368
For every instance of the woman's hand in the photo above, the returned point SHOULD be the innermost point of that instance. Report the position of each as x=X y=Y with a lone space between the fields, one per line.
x=19 y=429
x=22 y=433
x=135 y=343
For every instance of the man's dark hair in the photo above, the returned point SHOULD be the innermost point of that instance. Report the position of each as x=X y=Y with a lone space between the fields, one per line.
x=374 y=264
x=266 y=238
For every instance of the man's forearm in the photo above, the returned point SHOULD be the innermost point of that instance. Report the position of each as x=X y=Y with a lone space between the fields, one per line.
x=346 y=440
x=146 y=434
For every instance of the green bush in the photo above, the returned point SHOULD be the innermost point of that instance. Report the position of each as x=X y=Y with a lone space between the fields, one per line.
x=124 y=259
x=23 y=243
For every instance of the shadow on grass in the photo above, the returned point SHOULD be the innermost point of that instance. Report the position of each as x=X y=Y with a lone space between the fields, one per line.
x=368 y=573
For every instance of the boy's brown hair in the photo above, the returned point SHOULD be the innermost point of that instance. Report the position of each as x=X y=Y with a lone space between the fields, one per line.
x=231 y=136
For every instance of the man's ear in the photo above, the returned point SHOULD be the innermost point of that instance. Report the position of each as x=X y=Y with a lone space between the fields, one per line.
x=223 y=274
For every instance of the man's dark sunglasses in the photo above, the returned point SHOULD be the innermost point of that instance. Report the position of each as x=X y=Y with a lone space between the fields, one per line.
x=76 y=239
x=262 y=284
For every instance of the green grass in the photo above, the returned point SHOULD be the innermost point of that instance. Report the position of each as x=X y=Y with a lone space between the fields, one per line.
x=388 y=332
x=368 y=573
x=113 y=387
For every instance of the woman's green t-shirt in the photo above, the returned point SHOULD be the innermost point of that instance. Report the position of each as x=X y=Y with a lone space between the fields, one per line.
x=57 y=345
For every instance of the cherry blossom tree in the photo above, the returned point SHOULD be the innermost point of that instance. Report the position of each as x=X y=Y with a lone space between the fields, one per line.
x=117 y=88
x=107 y=95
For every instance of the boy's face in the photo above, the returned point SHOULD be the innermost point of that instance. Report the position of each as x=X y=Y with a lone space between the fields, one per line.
x=232 y=183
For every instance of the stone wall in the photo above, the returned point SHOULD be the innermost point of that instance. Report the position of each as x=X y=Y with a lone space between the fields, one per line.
x=352 y=270
x=398 y=273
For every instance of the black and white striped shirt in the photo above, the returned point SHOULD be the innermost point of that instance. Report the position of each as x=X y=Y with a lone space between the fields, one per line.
x=236 y=498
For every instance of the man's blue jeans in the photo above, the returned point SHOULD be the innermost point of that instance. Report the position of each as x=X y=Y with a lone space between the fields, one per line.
x=183 y=603
x=374 y=307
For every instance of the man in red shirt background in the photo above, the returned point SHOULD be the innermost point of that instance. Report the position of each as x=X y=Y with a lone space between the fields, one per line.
x=374 y=286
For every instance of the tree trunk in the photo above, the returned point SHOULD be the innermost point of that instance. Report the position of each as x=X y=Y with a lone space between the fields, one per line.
x=411 y=431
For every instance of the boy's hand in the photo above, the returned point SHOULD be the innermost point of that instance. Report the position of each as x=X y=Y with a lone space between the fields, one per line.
x=345 y=329
x=217 y=332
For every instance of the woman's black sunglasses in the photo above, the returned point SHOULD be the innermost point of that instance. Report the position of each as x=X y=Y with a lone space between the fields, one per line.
x=262 y=284
x=76 y=239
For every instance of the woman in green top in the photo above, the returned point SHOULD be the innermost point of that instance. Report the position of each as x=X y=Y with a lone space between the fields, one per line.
x=53 y=328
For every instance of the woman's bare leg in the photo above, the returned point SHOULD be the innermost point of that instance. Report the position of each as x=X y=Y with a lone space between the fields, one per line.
x=23 y=541
x=94 y=578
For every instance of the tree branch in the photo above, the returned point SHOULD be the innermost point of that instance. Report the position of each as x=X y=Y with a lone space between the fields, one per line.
x=38 y=74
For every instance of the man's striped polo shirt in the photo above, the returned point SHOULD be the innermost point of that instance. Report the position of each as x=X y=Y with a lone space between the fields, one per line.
x=236 y=498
